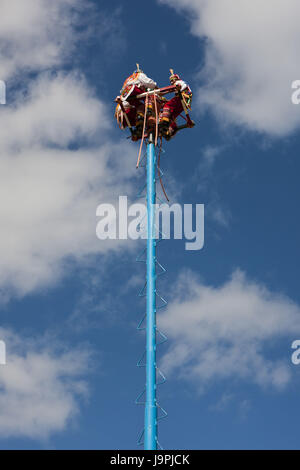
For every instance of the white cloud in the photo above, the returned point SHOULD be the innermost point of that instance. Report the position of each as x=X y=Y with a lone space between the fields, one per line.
x=51 y=192
x=223 y=402
x=251 y=59
x=56 y=110
x=36 y=34
x=228 y=332
x=218 y=213
x=205 y=181
x=40 y=387
x=209 y=155
x=57 y=162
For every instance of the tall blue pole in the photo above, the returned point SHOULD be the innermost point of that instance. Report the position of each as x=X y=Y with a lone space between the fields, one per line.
x=150 y=436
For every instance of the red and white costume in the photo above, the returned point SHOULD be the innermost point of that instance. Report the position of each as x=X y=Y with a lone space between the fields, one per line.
x=173 y=107
x=134 y=85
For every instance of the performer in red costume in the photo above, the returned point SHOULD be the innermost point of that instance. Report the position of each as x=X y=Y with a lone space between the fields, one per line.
x=134 y=85
x=174 y=107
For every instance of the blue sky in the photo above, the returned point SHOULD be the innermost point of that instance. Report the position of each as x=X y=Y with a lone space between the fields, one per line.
x=69 y=305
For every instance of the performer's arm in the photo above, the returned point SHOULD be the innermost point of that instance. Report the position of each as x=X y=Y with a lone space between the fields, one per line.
x=181 y=85
x=146 y=81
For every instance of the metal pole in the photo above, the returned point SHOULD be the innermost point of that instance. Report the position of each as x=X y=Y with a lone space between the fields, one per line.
x=150 y=437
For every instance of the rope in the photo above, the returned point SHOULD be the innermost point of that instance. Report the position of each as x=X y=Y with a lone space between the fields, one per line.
x=159 y=173
x=143 y=136
x=156 y=119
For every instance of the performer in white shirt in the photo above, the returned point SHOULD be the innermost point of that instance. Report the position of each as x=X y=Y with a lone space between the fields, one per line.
x=173 y=107
x=134 y=85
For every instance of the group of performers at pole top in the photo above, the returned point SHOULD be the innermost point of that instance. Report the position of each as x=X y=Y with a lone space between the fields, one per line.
x=131 y=108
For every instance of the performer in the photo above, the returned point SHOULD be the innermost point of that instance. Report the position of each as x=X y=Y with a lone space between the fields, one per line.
x=134 y=85
x=175 y=106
